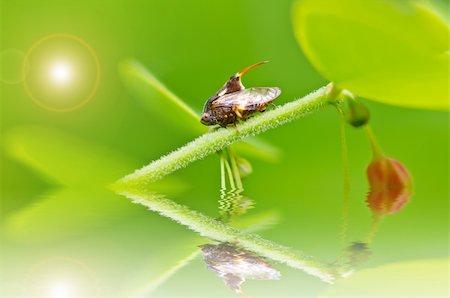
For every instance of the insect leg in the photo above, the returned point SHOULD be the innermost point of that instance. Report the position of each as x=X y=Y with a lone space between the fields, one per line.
x=240 y=113
x=262 y=107
x=235 y=126
x=224 y=121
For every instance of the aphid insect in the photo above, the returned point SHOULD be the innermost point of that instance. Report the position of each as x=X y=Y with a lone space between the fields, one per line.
x=233 y=102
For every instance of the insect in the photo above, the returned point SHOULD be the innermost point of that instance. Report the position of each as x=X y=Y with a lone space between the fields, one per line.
x=234 y=102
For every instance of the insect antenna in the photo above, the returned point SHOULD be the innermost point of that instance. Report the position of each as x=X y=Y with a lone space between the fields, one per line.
x=242 y=72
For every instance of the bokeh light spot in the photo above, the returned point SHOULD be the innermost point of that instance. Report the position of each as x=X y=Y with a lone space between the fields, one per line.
x=63 y=72
x=60 y=277
x=60 y=289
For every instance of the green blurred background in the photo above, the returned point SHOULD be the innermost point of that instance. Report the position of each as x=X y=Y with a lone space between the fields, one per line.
x=61 y=227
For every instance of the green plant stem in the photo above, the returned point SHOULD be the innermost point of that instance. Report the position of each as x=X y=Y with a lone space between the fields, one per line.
x=234 y=167
x=376 y=149
x=215 y=141
x=217 y=230
x=346 y=181
x=229 y=171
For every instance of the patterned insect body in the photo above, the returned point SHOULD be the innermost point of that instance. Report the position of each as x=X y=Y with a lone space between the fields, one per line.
x=234 y=102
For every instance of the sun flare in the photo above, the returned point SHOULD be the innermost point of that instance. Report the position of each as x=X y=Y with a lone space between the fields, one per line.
x=61 y=73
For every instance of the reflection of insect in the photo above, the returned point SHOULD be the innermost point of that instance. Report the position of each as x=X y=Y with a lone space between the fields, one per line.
x=234 y=265
x=233 y=102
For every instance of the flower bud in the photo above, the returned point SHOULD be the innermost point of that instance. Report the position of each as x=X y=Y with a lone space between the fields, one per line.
x=356 y=113
x=390 y=186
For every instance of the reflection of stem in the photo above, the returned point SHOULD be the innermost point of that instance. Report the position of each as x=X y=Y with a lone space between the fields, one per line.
x=376 y=149
x=217 y=230
x=215 y=141
x=164 y=276
x=376 y=220
x=231 y=203
x=346 y=182
x=223 y=188
x=256 y=223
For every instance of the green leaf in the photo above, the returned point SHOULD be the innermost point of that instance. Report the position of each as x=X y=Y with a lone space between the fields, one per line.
x=65 y=158
x=395 y=52
x=65 y=214
x=158 y=99
x=254 y=147
x=420 y=278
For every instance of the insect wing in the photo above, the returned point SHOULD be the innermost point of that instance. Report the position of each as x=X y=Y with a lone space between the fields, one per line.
x=247 y=98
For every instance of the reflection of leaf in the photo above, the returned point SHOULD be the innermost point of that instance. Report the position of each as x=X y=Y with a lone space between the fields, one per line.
x=65 y=158
x=162 y=103
x=65 y=213
x=73 y=162
x=424 y=278
x=150 y=287
x=391 y=51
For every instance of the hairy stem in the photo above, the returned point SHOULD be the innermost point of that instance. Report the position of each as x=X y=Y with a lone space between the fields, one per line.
x=217 y=140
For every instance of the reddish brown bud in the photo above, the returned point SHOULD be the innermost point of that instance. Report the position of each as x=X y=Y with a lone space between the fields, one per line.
x=390 y=186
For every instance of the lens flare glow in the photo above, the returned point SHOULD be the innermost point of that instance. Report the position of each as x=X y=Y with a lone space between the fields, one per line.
x=60 y=289
x=61 y=73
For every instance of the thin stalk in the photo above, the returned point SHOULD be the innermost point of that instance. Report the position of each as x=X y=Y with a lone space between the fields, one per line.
x=215 y=141
x=346 y=181
x=376 y=149
x=234 y=167
x=230 y=172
